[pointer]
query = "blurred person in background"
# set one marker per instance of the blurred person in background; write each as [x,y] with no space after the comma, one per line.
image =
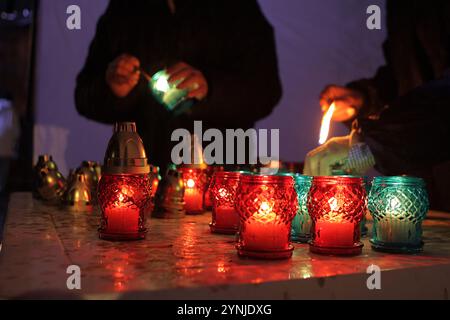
[222,51]
[400,117]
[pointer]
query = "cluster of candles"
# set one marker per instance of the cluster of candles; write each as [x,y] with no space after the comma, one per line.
[267,212]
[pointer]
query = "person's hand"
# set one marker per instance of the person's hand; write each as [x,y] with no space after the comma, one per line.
[347,102]
[123,75]
[190,79]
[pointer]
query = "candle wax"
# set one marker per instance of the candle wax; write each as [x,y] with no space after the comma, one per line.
[265,236]
[395,231]
[122,220]
[193,199]
[226,217]
[334,234]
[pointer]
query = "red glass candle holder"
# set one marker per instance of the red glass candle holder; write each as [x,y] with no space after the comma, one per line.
[266,206]
[123,200]
[208,201]
[336,206]
[194,188]
[225,218]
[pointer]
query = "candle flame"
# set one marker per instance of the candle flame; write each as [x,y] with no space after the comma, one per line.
[162,84]
[326,121]
[190,183]
[265,208]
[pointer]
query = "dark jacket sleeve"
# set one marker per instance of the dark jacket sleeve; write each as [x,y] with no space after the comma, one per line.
[245,87]
[93,98]
[414,132]
[377,91]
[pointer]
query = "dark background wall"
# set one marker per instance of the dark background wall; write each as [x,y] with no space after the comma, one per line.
[318,42]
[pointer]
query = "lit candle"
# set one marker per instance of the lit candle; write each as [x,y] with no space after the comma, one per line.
[192,197]
[123,200]
[266,206]
[122,217]
[124,190]
[264,230]
[166,93]
[339,234]
[398,206]
[336,205]
[194,183]
[225,218]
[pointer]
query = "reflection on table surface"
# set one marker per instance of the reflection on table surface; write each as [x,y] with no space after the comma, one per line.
[42,241]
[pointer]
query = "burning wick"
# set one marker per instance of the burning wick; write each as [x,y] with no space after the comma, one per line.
[190,183]
[326,121]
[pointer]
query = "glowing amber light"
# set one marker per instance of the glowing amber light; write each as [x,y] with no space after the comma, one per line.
[326,122]
[398,206]
[225,218]
[190,183]
[123,200]
[266,206]
[194,180]
[336,206]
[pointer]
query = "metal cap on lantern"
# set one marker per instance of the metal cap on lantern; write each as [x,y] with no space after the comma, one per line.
[78,197]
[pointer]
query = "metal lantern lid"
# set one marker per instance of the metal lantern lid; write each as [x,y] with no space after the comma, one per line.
[125,153]
[46,161]
[78,196]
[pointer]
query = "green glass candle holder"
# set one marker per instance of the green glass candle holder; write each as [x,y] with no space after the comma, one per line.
[174,99]
[301,225]
[398,206]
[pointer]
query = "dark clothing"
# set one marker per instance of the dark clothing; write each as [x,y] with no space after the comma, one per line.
[230,42]
[405,117]
[417,50]
[412,136]
[413,133]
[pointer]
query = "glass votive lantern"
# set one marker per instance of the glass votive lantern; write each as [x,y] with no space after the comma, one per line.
[336,205]
[208,201]
[266,205]
[124,190]
[398,206]
[225,218]
[168,94]
[367,184]
[301,225]
[194,187]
